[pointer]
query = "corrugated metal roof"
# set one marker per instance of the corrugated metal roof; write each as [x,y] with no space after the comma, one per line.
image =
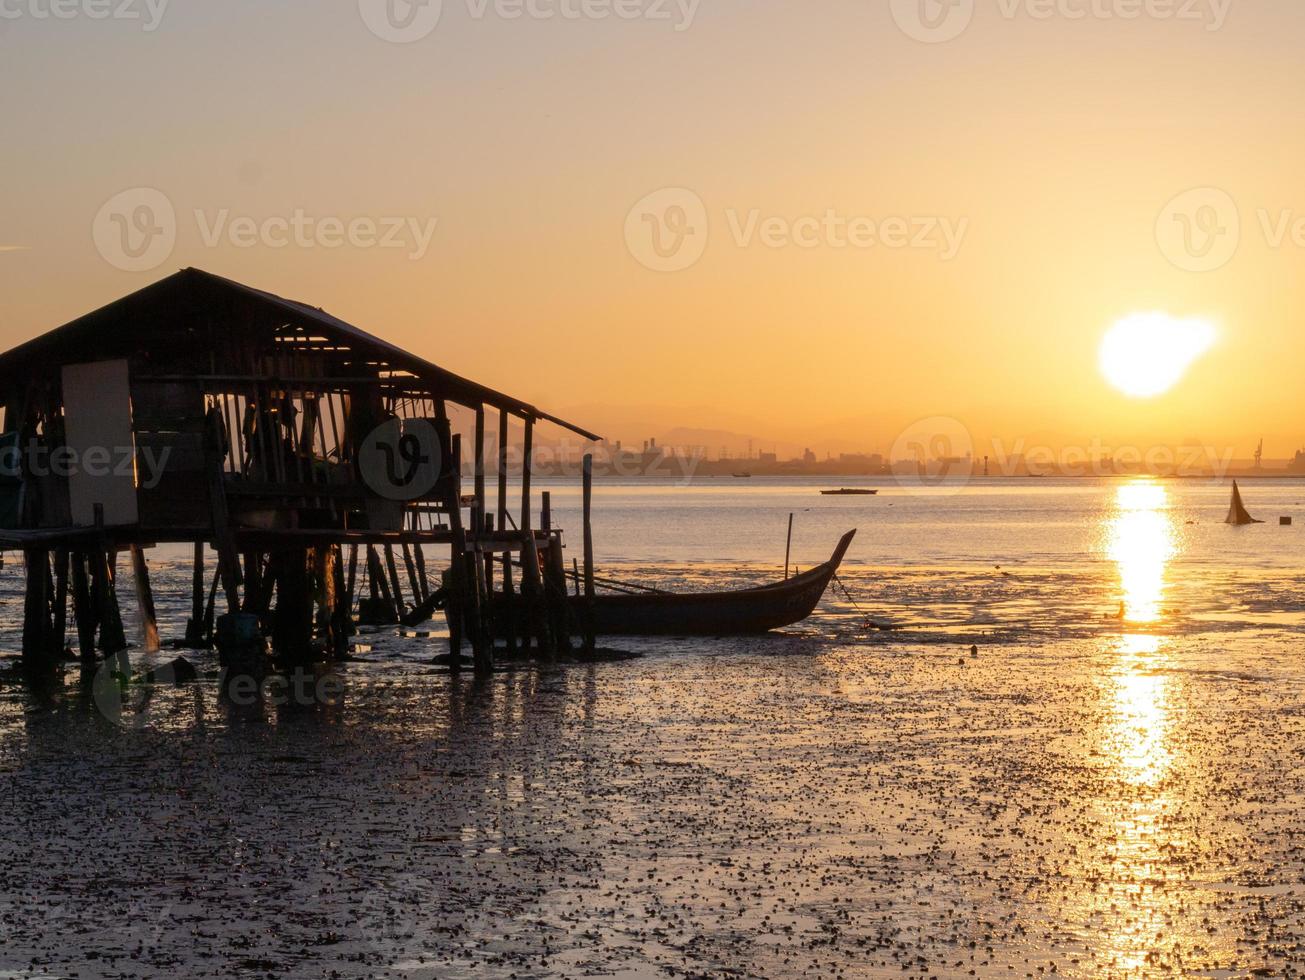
[465,390]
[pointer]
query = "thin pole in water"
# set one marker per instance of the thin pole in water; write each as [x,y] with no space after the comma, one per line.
[788,548]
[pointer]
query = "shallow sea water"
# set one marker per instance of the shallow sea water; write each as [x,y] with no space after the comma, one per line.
[1101,791]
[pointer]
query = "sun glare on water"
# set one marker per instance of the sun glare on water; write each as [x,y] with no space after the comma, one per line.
[1146,354]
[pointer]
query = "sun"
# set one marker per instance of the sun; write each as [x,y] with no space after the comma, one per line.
[1146,354]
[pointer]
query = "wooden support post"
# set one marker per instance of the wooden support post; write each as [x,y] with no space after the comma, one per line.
[224,540]
[83,608]
[104,595]
[60,601]
[381,608]
[419,553]
[532,594]
[149,620]
[466,561]
[527,469]
[502,468]
[456,607]
[480,564]
[254,592]
[342,610]
[479,471]
[588,506]
[195,625]
[487,562]
[555,602]
[210,610]
[509,616]
[418,596]
[259,600]
[292,621]
[353,570]
[37,627]
[397,589]
[507,611]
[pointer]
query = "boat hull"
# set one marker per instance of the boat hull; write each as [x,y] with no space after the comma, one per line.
[741,613]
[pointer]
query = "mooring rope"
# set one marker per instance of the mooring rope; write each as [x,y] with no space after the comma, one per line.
[870,623]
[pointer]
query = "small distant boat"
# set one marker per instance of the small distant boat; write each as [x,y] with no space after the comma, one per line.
[743,476]
[1237,514]
[845,492]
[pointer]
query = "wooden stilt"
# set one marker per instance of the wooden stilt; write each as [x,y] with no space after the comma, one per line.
[532,591]
[555,602]
[37,626]
[480,524]
[60,639]
[83,607]
[502,513]
[382,607]
[195,625]
[253,600]
[588,508]
[396,589]
[418,596]
[224,541]
[509,606]
[419,552]
[470,579]
[210,609]
[149,621]
[488,563]
[457,606]
[353,574]
[104,596]
[527,471]
[480,507]
[342,612]
[292,620]
[532,594]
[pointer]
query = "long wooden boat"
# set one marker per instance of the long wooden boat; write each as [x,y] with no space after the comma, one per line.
[849,493]
[741,613]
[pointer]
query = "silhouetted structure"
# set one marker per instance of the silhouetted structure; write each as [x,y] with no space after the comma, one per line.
[289,442]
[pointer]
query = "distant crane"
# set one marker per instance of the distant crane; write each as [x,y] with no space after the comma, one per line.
[1259,456]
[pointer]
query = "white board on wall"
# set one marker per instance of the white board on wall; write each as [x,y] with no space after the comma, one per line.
[102,450]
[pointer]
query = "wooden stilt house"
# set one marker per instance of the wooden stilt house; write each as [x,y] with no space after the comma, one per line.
[306,455]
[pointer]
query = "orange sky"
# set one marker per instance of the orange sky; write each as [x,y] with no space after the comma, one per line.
[1054,143]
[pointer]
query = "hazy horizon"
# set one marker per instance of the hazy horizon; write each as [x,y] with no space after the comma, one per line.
[892,228]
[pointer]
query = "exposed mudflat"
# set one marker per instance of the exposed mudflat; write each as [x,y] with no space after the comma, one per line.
[792,807]
[1113,786]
